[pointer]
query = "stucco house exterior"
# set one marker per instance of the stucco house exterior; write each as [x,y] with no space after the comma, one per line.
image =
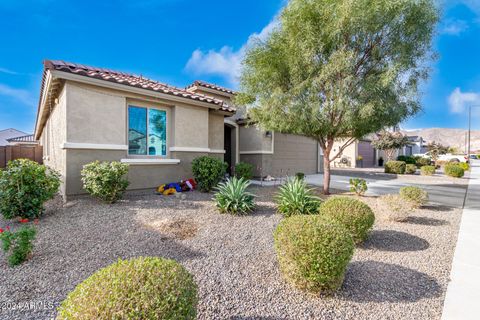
[87,113]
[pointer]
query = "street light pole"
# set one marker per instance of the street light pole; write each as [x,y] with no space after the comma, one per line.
[469,129]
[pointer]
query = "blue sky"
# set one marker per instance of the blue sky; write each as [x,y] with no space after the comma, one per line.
[178,41]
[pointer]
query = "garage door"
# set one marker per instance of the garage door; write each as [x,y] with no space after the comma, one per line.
[366,150]
[293,154]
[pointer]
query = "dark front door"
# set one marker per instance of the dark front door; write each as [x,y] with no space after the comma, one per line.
[227,143]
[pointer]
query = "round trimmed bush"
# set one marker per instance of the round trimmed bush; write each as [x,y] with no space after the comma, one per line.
[427,170]
[454,170]
[410,168]
[105,180]
[397,167]
[356,216]
[244,170]
[140,288]
[465,166]
[313,252]
[208,172]
[423,162]
[394,207]
[416,196]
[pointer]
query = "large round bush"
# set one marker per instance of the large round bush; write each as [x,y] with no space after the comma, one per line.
[208,172]
[105,180]
[428,170]
[141,288]
[454,170]
[356,216]
[24,188]
[313,252]
[397,167]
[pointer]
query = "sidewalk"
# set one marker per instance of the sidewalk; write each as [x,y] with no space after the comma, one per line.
[462,300]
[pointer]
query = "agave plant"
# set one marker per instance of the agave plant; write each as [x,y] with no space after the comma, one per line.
[232,196]
[295,198]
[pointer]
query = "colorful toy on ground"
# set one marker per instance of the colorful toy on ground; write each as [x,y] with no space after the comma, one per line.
[174,187]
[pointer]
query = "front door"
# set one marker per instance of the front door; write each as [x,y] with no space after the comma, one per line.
[227,143]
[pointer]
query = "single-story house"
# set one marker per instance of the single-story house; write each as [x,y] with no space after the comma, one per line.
[10,133]
[87,113]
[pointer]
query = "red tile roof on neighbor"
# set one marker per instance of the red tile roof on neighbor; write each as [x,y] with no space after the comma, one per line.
[199,83]
[133,81]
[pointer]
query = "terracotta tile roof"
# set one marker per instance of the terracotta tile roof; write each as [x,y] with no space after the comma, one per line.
[27,138]
[199,83]
[133,81]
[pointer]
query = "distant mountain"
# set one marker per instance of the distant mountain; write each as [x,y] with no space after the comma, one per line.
[448,137]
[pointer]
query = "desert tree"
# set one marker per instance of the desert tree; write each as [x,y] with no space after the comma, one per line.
[435,149]
[336,70]
[390,142]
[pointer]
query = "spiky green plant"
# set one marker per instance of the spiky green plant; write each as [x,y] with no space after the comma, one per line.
[295,198]
[232,196]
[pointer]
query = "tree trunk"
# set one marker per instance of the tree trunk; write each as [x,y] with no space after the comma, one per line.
[326,171]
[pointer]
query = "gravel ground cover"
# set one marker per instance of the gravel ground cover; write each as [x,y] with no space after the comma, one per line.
[401,272]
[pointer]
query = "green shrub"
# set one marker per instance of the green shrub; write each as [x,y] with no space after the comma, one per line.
[397,167]
[140,288]
[358,185]
[208,172]
[423,162]
[295,198]
[407,159]
[416,196]
[465,166]
[25,186]
[232,196]
[300,175]
[244,170]
[353,214]
[394,207]
[427,170]
[410,168]
[313,252]
[454,170]
[105,180]
[18,245]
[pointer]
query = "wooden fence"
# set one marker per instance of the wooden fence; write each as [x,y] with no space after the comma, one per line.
[8,153]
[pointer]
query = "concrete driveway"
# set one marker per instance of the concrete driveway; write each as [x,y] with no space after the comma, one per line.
[444,192]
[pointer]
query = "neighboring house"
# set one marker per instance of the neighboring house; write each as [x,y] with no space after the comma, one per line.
[88,114]
[417,146]
[9,134]
[27,140]
[351,155]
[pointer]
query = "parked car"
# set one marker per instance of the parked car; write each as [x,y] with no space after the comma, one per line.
[453,157]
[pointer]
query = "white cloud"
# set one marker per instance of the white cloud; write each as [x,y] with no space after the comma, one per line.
[7,71]
[20,95]
[459,101]
[225,62]
[454,27]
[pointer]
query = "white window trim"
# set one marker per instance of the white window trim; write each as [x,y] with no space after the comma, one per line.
[137,161]
[194,149]
[93,146]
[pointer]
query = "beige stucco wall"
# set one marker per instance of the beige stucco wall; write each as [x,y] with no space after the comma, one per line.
[252,138]
[215,131]
[95,116]
[350,153]
[191,126]
[53,137]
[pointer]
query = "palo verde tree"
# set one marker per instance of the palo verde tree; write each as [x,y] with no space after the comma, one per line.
[335,70]
[389,142]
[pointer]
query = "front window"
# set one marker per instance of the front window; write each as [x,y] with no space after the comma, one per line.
[147,131]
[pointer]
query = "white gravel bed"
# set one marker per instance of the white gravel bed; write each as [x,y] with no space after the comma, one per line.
[401,272]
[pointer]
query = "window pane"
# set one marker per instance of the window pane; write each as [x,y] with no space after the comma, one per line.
[137,130]
[157,132]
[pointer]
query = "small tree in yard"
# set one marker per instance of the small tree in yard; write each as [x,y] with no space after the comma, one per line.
[338,70]
[389,142]
[435,149]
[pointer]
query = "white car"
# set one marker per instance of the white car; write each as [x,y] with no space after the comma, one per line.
[453,157]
